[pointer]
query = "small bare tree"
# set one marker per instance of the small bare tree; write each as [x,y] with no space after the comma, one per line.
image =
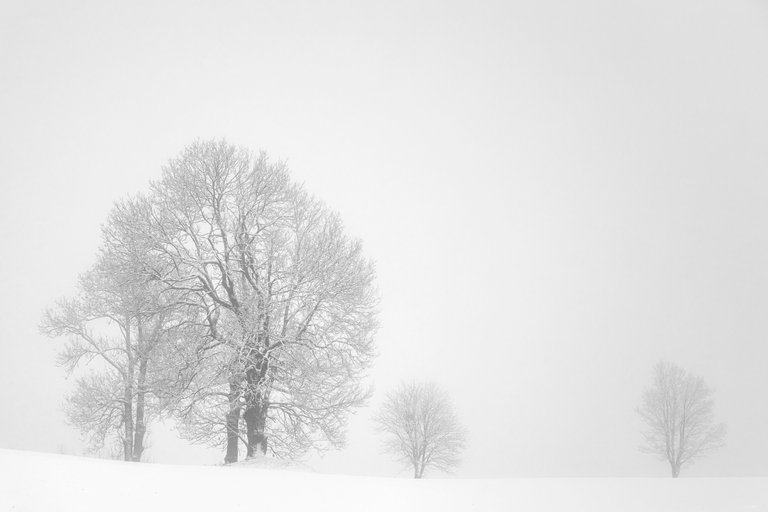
[120,331]
[421,427]
[677,410]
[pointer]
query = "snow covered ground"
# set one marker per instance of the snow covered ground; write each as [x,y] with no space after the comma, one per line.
[31,481]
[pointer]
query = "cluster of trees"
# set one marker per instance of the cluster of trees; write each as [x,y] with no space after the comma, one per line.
[227,298]
[230,300]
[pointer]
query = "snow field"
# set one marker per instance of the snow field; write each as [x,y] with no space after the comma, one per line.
[31,481]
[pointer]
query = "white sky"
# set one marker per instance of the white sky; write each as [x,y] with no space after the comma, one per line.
[557,195]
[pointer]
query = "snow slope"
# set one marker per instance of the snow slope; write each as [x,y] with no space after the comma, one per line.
[31,481]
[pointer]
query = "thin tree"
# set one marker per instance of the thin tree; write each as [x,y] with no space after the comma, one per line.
[421,428]
[678,412]
[118,326]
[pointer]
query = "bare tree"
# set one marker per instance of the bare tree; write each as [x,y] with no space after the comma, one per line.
[677,410]
[421,428]
[117,326]
[286,298]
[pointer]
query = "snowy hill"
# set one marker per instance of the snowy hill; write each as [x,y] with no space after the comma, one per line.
[40,482]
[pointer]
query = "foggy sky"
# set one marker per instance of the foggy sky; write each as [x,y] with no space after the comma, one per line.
[556,194]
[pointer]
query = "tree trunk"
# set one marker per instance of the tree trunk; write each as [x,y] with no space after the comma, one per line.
[675,469]
[233,422]
[255,421]
[128,396]
[255,414]
[141,429]
[128,422]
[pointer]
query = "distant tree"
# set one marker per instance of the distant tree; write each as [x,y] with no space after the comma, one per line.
[677,410]
[421,428]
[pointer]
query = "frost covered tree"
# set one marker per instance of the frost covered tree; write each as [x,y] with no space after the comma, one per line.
[231,299]
[678,412]
[285,296]
[119,327]
[421,428]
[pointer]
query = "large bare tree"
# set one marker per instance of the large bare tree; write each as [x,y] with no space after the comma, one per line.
[286,296]
[678,412]
[421,427]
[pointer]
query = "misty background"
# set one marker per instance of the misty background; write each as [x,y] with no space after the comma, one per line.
[556,195]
